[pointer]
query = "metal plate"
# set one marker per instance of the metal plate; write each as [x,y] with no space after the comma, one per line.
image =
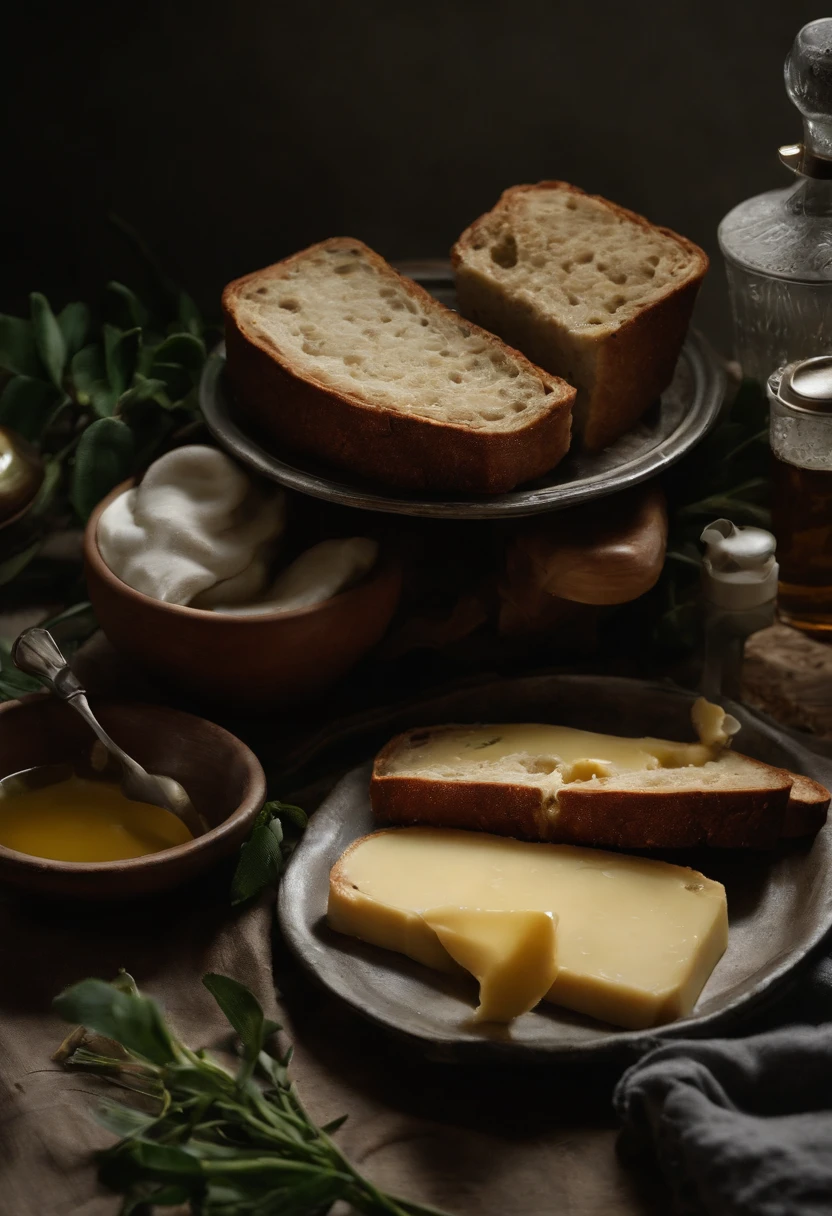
[677,422]
[779,904]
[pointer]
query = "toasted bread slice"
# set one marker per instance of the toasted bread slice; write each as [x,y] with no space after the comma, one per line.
[808,804]
[444,776]
[337,356]
[589,291]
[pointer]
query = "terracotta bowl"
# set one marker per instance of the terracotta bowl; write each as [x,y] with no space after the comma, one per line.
[277,659]
[223,777]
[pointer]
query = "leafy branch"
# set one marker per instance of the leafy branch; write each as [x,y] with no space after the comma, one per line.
[192,1132]
[264,855]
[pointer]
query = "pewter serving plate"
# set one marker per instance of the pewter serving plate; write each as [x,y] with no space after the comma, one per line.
[685,413]
[779,904]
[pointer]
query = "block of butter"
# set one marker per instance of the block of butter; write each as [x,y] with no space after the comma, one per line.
[636,939]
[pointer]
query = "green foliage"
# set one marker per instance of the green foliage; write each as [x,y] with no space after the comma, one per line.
[100,395]
[264,855]
[219,1143]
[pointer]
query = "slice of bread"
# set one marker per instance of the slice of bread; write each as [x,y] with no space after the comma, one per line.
[808,804]
[337,356]
[730,801]
[589,291]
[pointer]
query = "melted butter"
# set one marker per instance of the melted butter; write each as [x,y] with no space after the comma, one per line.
[84,821]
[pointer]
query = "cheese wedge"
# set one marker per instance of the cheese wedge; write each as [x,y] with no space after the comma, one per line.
[636,939]
[512,954]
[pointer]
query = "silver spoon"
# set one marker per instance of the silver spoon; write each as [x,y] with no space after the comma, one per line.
[37,653]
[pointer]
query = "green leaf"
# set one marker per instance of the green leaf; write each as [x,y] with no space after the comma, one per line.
[128,308]
[48,488]
[104,457]
[184,349]
[12,566]
[74,322]
[134,1021]
[143,390]
[161,1160]
[244,1013]
[28,406]
[121,353]
[123,1121]
[49,339]
[18,353]
[177,380]
[259,866]
[189,315]
[89,377]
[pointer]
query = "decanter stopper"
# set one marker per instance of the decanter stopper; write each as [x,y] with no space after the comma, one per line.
[808,73]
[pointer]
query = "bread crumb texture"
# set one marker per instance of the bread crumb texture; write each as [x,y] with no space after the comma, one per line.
[582,260]
[344,322]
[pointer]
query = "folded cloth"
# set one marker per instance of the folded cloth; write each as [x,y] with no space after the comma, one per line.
[739,1127]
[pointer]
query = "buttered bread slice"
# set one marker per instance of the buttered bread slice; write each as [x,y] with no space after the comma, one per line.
[556,783]
[334,354]
[634,939]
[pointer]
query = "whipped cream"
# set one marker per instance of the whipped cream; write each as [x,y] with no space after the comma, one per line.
[198,531]
[195,525]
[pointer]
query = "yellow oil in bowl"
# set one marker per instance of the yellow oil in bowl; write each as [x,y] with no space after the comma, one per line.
[81,820]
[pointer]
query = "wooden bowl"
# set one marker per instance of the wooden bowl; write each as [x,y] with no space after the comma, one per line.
[223,777]
[277,659]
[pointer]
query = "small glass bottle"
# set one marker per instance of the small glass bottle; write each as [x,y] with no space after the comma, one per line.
[800,432]
[778,246]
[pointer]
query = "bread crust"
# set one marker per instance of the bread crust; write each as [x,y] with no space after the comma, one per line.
[586,814]
[626,368]
[807,809]
[394,449]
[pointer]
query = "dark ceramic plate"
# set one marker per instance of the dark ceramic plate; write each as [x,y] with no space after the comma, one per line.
[779,905]
[685,413]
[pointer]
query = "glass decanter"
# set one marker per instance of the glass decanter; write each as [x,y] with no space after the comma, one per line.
[778,246]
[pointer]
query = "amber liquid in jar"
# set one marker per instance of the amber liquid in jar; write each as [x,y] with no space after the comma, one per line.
[802,523]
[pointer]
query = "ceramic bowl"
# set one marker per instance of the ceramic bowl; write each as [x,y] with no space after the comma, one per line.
[266,661]
[223,777]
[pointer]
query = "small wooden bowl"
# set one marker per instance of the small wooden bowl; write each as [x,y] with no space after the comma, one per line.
[223,777]
[255,662]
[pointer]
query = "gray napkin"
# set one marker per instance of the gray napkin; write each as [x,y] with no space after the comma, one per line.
[741,1127]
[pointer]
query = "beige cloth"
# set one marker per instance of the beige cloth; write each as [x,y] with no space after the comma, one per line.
[474,1141]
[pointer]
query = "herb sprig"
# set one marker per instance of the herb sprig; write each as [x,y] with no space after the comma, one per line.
[227,1144]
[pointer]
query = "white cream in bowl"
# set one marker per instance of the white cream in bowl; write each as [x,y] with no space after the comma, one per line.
[198,531]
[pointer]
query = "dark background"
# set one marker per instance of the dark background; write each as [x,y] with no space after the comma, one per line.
[230,134]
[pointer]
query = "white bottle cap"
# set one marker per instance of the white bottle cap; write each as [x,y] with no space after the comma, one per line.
[738,569]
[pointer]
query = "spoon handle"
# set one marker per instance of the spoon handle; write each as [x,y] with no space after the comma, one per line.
[36,652]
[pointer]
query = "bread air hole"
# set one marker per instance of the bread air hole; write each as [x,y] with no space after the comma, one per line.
[566,266]
[424,321]
[456,377]
[573,300]
[617,278]
[352,360]
[491,415]
[290,304]
[653,260]
[346,268]
[519,406]
[571,205]
[585,258]
[615,303]
[504,253]
[262,291]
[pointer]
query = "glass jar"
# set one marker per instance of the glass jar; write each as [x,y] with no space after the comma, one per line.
[778,246]
[800,433]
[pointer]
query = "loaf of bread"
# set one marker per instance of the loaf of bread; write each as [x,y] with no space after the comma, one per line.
[651,793]
[587,290]
[335,355]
